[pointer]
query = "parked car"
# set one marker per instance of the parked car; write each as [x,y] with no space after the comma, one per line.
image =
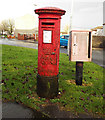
[64,40]
[2,36]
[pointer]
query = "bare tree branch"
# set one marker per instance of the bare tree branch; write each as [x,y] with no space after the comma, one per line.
[4,26]
[7,25]
[11,25]
[66,28]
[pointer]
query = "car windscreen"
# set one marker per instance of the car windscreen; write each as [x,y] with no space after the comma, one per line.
[67,37]
[64,37]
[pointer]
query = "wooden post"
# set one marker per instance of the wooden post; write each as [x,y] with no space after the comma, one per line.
[79,73]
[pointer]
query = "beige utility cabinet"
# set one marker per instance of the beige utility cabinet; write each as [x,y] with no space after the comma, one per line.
[80,47]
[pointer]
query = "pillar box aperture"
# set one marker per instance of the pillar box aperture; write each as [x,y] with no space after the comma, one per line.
[48,51]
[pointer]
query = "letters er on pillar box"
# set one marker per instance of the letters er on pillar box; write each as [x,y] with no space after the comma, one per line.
[80,47]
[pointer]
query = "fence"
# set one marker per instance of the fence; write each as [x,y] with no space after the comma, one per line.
[27,36]
[98,41]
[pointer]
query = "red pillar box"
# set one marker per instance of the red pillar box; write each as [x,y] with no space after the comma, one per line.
[48,51]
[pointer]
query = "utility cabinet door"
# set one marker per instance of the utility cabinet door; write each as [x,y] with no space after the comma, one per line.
[80,46]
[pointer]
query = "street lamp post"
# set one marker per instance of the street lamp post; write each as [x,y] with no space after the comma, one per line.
[71,16]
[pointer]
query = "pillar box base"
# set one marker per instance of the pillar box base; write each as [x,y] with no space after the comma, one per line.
[47,87]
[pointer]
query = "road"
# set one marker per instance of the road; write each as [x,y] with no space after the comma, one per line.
[25,43]
[98,57]
[97,54]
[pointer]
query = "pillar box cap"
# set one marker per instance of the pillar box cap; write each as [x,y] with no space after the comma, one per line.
[50,10]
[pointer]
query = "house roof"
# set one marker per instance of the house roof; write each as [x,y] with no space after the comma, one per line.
[63,32]
[95,29]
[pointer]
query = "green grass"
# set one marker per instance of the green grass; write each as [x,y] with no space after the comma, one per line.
[2,35]
[19,70]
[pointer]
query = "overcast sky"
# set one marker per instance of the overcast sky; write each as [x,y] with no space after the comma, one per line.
[87,14]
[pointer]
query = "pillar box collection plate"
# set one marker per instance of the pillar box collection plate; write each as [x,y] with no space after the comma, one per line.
[48,51]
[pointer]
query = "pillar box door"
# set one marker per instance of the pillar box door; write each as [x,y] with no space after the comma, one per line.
[48,51]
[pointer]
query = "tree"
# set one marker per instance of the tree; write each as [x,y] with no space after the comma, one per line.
[1,30]
[66,28]
[11,25]
[7,25]
[4,26]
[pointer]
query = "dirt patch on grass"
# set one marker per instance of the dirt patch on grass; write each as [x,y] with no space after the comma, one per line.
[83,84]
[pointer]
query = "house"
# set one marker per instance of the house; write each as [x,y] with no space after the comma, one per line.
[104,29]
[26,24]
[104,18]
[63,33]
[97,31]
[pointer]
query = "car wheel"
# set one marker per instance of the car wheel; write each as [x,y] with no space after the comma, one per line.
[65,47]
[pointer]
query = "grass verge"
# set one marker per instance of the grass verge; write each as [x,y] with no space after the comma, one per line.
[19,70]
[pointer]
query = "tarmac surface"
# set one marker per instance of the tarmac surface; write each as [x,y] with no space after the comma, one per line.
[14,42]
[14,110]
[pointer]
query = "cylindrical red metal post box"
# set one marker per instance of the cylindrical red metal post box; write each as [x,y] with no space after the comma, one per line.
[48,51]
